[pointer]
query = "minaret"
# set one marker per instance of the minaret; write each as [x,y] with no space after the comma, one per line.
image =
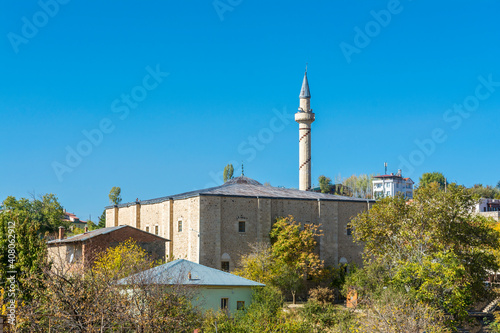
[305,117]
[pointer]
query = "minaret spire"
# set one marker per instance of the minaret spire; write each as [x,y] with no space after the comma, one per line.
[305,117]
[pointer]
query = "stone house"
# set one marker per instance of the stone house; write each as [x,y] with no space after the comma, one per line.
[215,226]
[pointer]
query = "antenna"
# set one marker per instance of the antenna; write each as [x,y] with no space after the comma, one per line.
[385,165]
[242,169]
[306,67]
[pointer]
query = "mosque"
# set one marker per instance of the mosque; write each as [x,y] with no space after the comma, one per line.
[215,226]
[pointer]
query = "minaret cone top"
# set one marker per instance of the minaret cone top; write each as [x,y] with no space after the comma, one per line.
[304,92]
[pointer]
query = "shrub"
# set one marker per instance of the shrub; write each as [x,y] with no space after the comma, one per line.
[322,295]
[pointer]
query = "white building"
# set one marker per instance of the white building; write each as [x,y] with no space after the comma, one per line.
[489,208]
[392,185]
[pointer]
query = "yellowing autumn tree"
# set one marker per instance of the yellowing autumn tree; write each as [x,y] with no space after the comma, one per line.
[123,260]
[294,251]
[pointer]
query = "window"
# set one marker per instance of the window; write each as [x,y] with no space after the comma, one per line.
[240,305]
[179,226]
[241,226]
[224,265]
[349,230]
[147,228]
[224,303]
[156,230]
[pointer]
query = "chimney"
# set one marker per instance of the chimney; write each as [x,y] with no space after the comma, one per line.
[86,229]
[61,232]
[189,275]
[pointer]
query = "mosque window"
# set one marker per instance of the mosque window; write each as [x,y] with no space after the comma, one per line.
[147,228]
[156,230]
[224,266]
[179,226]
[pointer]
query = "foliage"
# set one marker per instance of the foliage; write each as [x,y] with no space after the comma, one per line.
[228,172]
[322,295]
[435,247]
[122,260]
[432,177]
[91,225]
[115,195]
[258,265]
[360,186]
[394,312]
[46,211]
[102,220]
[264,314]
[325,184]
[328,318]
[20,234]
[83,300]
[294,251]
[487,191]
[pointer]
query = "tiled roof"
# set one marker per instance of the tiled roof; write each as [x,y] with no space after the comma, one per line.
[94,233]
[180,271]
[238,187]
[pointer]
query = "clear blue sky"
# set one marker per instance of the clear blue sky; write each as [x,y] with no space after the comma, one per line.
[234,76]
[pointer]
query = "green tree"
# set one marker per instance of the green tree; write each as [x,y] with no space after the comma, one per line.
[434,248]
[115,195]
[102,220]
[294,251]
[485,191]
[22,247]
[431,177]
[228,172]
[325,184]
[46,211]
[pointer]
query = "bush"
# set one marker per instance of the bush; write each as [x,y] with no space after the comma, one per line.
[322,295]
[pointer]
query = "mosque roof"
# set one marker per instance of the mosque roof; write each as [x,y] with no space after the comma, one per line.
[246,187]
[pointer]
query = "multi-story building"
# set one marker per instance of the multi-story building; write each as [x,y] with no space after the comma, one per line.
[392,185]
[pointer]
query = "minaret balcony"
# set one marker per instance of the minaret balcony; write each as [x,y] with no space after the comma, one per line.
[304,117]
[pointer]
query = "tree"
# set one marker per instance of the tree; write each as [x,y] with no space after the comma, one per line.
[22,248]
[294,251]
[228,172]
[125,259]
[102,220]
[258,265]
[46,211]
[435,248]
[431,177]
[485,191]
[325,184]
[114,195]
[360,186]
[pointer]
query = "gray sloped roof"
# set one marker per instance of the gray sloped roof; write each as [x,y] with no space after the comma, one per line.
[179,272]
[246,187]
[94,233]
